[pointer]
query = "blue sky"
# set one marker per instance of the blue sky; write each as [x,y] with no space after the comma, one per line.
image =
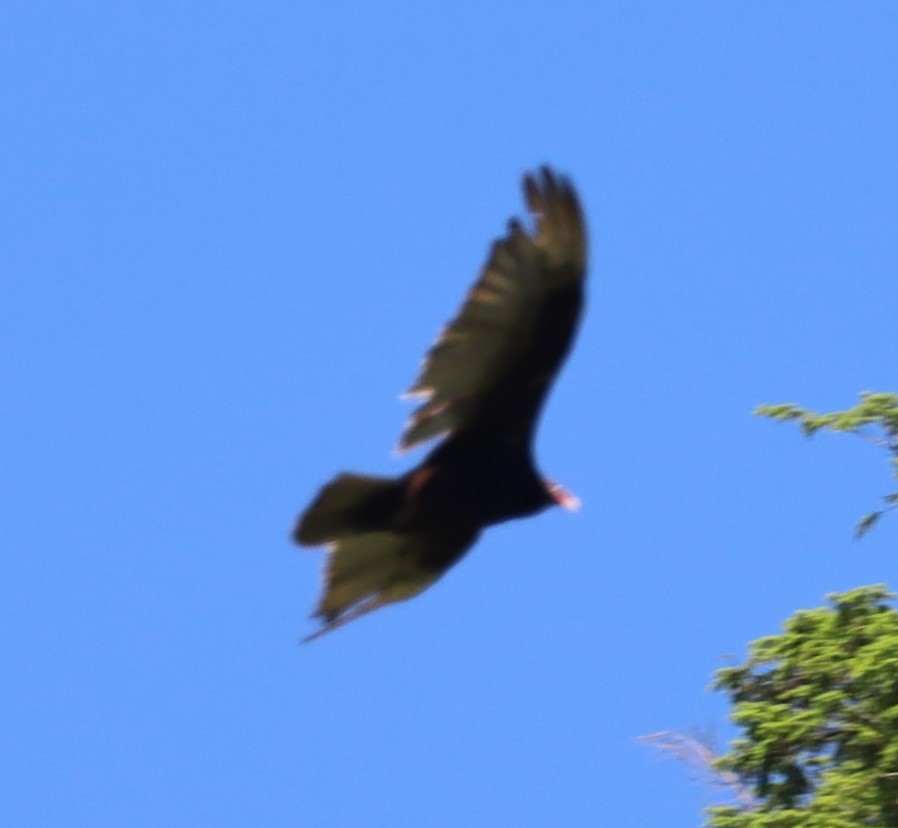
[231,230]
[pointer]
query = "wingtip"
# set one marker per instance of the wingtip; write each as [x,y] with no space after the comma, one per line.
[543,185]
[333,621]
[553,202]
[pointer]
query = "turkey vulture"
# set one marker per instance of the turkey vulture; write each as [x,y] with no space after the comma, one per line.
[481,387]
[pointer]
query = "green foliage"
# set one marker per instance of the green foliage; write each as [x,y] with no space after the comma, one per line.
[874,417]
[818,707]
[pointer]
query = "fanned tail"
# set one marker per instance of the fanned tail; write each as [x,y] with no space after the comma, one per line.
[349,505]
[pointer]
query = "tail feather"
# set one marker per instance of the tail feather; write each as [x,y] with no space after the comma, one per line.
[348,505]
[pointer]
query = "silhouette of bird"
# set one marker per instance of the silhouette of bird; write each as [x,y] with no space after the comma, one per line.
[481,389]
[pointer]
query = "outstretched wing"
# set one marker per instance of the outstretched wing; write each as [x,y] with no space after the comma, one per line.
[492,365]
[365,572]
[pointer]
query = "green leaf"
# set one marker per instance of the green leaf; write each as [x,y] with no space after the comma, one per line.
[818,708]
[876,410]
[866,523]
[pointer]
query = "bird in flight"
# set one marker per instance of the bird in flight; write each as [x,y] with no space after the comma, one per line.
[481,388]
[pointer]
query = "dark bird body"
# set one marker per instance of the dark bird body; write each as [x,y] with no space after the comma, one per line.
[483,384]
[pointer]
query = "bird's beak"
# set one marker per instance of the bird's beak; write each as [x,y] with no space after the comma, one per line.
[564,498]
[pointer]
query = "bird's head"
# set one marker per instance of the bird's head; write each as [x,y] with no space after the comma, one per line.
[561,496]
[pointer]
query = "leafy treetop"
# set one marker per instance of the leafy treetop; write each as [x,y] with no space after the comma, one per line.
[818,706]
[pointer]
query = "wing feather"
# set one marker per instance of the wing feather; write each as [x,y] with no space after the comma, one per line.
[367,571]
[492,365]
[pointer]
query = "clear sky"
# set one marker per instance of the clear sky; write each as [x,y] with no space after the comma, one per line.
[230,231]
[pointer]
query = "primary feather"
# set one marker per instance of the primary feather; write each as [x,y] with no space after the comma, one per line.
[494,362]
